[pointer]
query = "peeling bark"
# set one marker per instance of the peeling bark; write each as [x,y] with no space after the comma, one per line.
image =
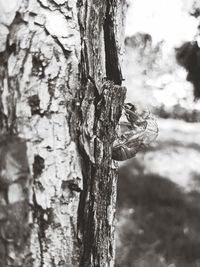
[60,102]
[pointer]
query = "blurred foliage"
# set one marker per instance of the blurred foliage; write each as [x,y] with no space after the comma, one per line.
[188,56]
[165,81]
[177,112]
[158,223]
[147,54]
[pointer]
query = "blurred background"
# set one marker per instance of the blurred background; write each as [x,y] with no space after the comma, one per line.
[158,213]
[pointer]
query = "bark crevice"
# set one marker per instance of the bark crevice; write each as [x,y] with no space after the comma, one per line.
[113,70]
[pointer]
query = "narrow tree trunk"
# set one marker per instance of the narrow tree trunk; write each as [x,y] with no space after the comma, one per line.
[61,99]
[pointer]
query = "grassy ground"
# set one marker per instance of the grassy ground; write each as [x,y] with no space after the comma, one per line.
[159,201]
[158,223]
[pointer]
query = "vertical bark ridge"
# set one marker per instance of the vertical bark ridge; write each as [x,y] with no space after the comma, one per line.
[102,96]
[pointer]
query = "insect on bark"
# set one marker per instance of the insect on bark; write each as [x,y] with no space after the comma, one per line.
[136,132]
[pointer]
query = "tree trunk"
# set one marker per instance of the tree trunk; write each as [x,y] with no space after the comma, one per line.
[60,102]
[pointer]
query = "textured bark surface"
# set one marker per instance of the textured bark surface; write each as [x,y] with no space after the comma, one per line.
[99,62]
[61,99]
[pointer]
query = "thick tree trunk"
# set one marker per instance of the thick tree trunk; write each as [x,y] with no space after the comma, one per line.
[61,99]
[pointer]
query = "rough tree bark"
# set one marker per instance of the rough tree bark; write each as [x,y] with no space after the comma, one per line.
[60,101]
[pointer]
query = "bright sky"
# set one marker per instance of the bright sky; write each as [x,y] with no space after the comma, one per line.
[163,19]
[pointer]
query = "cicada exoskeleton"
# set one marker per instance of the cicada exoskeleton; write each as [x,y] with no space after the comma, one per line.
[137,132]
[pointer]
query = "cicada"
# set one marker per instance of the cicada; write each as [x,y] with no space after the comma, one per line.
[136,132]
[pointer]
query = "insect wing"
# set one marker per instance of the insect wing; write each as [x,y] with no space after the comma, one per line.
[151,131]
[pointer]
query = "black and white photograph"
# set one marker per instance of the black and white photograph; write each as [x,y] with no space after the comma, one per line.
[99,133]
